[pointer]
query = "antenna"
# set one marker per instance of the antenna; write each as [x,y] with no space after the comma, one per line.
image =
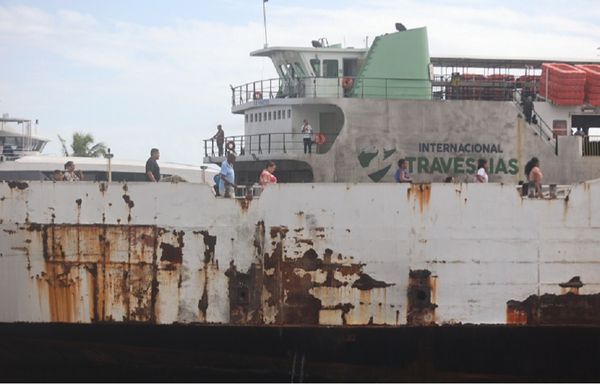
[265,22]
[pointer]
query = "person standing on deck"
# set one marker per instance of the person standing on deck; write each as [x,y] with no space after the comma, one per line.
[481,176]
[220,137]
[528,109]
[152,168]
[307,136]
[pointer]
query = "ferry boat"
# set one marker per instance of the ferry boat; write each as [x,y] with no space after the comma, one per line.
[334,273]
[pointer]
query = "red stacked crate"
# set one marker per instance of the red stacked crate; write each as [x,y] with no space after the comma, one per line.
[470,91]
[529,84]
[501,89]
[563,84]
[592,82]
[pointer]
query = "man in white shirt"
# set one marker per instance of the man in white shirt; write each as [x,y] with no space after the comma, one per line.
[227,175]
[307,136]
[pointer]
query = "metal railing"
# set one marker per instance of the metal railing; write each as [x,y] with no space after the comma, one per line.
[313,87]
[590,145]
[538,123]
[266,143]
[442,87]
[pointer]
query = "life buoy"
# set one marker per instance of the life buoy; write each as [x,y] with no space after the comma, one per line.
[347,82]
[230,146]
[257,95]
[319,139]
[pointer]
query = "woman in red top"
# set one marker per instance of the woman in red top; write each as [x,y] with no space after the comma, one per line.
[266,176]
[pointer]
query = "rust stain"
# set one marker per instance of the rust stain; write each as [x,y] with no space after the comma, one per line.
[570,308]
[78,202]
[549,309]
[422,193]
[421,305]
[9,231]
[279,231]
[130,284]
[244,202]
[128,200]
[171,253]
[209,244]
[289,283]
[18,185]
[245,294]
[103,187]
[366,283]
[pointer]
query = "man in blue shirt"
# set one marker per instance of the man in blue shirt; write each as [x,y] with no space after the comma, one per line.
[227,175]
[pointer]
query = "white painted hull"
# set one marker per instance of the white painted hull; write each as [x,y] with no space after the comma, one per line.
[301,254]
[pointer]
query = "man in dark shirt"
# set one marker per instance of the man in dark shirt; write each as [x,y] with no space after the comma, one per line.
[152,168]
[220,137]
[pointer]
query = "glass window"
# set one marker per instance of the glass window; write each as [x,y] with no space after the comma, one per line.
[330,68]
[246,118]
[315,64]
[279,114]
[251,117]
[289,113]
[259,116]
[265,116]
[269,115]
[299,70]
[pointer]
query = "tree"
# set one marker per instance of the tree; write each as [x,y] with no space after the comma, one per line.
[83,146]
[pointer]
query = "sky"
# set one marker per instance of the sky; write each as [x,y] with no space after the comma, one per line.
[141,74]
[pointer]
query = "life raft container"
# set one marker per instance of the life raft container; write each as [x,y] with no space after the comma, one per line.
[230,146]
[319,139]
[347,82]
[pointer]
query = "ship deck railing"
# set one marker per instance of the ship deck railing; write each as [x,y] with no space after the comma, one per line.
[442,87]
[590,145]
[267,143]
[549,191]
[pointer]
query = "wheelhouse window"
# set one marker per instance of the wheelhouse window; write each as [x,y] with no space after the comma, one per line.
[330,68]
[315,64]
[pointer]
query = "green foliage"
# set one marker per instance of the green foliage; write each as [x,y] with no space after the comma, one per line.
[83,146]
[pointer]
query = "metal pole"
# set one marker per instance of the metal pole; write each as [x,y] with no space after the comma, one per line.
[109,156]
[265,22]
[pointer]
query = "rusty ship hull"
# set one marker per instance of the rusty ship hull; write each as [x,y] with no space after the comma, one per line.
[375,267]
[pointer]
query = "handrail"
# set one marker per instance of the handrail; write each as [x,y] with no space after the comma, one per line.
[441,87]
[545,132]
[266,143]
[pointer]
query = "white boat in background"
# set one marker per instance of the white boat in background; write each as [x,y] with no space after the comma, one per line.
[21,159]
[96,169]
[17,138]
